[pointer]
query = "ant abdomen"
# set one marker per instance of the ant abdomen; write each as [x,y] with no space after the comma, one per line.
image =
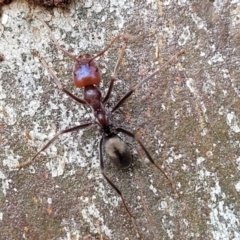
[117,151]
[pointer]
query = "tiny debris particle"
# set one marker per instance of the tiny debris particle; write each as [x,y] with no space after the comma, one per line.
[49,200]
[49,209]
[4,112]
[209,154]
[1,58]
[35,200]
[237,186]
[28,135]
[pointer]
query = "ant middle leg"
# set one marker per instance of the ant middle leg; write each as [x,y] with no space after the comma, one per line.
[132,135]
[26,163]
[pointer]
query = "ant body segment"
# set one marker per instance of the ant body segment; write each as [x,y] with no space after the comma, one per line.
[86,74]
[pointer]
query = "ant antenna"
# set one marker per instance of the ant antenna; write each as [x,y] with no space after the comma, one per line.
[125,36]
[73,57]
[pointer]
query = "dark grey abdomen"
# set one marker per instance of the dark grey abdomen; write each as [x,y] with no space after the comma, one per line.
[117,151]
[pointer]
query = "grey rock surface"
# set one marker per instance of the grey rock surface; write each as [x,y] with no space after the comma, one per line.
[187,116]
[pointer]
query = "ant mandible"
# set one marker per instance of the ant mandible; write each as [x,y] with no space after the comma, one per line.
[86,74]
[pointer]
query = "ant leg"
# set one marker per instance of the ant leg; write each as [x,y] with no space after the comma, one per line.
[109,181]
[21,165]
[128,94]
[56,80]
[116,69]
[56,42]
[125,36]
[148,156]
[114,186]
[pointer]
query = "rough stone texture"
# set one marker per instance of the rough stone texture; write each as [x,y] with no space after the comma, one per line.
[187,116]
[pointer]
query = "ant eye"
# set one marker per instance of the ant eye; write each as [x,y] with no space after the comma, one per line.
[96,70]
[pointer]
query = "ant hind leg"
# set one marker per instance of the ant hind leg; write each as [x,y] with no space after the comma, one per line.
[115,187]
[148,156]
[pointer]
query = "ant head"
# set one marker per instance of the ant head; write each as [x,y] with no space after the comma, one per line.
[86,72]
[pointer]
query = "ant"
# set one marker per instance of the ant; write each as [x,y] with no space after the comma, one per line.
[86,74]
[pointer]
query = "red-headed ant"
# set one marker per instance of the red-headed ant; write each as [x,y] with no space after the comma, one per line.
[86,74]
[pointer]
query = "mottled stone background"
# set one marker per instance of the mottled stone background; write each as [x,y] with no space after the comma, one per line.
[187,116]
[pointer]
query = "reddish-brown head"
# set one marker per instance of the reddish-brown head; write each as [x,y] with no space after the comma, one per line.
[86,72]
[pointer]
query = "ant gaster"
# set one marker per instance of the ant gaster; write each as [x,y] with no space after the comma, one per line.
[86,74]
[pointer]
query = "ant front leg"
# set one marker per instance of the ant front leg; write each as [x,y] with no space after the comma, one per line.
[116,69]
[148,156]
[129,93]
[24,164]
[56,80]
[115,187]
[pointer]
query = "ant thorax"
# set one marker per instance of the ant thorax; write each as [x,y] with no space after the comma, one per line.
[93,97]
